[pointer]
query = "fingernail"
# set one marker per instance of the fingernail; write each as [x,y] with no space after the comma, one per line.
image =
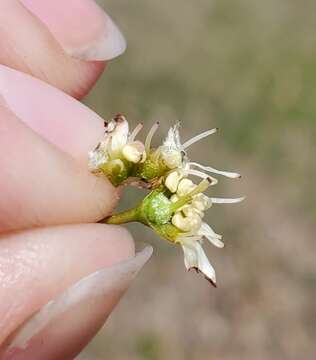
[57,117]
[62,328]
[82,28]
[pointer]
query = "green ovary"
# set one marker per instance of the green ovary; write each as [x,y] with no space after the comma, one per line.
[152,168]
[156,208]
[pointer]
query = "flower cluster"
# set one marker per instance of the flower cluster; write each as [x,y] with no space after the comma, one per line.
[175,206]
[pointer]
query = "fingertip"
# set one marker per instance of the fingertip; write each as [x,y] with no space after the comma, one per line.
[82,27]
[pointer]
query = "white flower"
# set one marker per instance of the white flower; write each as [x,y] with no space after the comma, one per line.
[195,258]
[174,155]
[188,219]
[171,148]
[118,143]
[175,207]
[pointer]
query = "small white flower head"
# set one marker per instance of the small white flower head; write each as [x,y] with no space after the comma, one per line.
[175,206]
[188,220]
[118,144]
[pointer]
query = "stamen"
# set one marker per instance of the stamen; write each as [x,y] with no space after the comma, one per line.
[198,138]
[227,200]
[201,175]
[228,174]
[135,132]
[150,135]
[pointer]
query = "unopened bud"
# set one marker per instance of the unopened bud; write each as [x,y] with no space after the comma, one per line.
[172,159]
[174,198]
[190,210]
[185,187]
[134,152]
[172,180]
[201,202]
[185,223]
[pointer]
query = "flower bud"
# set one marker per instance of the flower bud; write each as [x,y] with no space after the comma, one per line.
[134,152]
[190,210]
[172,159]
[172,180]
[201,202]
[174,198]
[185,223]
[185,187]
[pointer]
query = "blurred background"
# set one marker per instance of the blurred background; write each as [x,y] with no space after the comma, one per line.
[248,67]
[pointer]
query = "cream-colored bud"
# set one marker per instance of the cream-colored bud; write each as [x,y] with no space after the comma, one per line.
[185,223]
[190,210]
[172,180]
[174,198]
[181,222]
[185,187]
[172,159]
[134,152]
[201,202]
[195,221]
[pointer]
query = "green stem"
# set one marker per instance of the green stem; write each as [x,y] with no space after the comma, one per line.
[123,217]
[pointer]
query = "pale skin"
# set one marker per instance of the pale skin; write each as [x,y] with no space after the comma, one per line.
[49,202]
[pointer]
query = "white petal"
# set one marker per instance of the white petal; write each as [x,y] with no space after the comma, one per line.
[227,200]
[195,258]
[172,140]
[229,174]
[119,135]
[206,231]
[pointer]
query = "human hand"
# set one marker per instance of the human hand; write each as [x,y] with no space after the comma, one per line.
[51,252]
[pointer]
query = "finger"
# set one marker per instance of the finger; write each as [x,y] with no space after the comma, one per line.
[82,28]
[57,117]
[41,185]
[49,40]
[62,328]
[37,265]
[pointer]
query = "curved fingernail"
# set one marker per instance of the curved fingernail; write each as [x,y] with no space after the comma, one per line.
[82,28]
[56,116]
[62,328]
